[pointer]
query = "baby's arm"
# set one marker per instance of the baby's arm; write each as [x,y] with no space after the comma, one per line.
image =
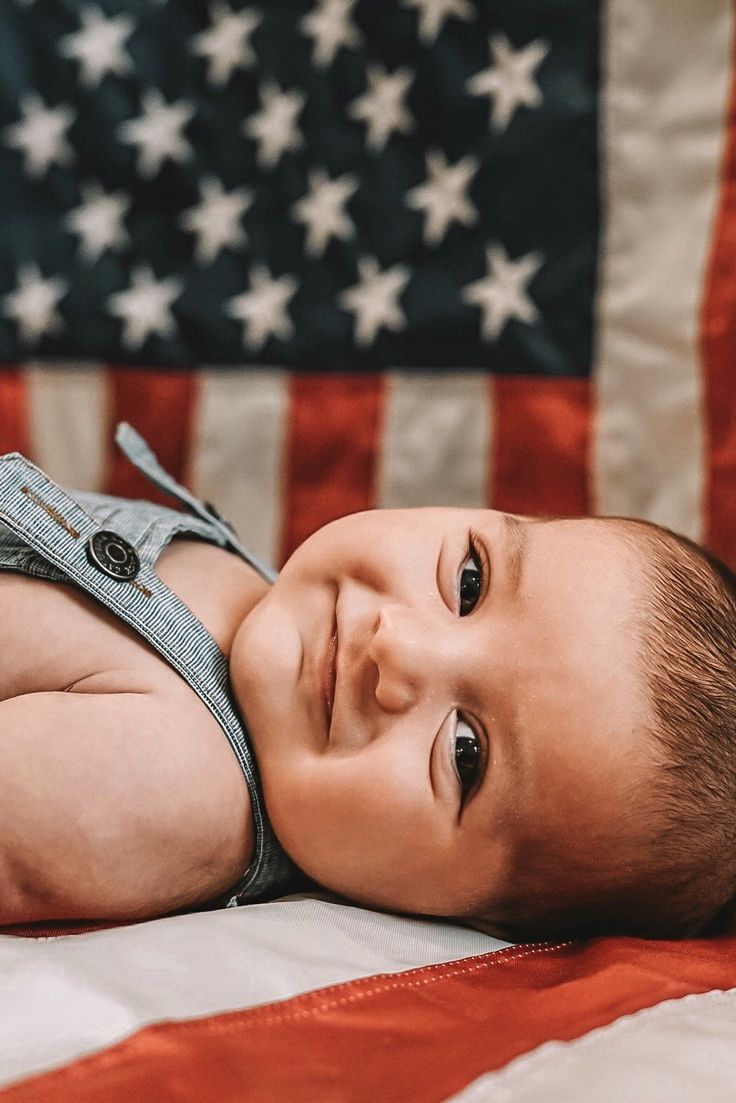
[99,809]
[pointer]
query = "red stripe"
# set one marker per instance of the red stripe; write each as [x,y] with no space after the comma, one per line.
[718,349]
[420,1035]
[161,406]
[54,928]
[330,451]
[14,429]
[541,445]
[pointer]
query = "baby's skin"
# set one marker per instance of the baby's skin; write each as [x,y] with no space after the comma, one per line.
[487,705]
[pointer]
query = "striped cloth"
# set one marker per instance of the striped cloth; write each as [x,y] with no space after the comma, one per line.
[645,428]
[306,1000]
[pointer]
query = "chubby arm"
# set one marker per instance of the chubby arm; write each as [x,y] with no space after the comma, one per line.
[114,805]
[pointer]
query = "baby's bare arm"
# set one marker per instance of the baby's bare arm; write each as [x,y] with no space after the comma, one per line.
[107,808]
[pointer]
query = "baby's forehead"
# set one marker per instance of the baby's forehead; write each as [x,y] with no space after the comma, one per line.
[615,540]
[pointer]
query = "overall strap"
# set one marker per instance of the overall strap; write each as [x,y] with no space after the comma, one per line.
[105,566]
[143,457]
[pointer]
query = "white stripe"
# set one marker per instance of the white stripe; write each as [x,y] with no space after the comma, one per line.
[237,447]
[62,998]
[68,418]
[677,1052]
[436,440]
[666,81]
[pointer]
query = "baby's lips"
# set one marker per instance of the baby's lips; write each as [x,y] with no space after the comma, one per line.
[329,678]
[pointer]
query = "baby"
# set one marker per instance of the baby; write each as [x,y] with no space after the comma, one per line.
[522,723]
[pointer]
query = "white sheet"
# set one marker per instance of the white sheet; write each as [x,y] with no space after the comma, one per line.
[62,998]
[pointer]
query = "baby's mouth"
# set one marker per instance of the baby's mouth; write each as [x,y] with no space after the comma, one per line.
[329,673]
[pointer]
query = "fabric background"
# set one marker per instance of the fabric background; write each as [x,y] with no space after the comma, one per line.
[547,330]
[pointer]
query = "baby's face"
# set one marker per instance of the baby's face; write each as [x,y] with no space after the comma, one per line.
[483,705]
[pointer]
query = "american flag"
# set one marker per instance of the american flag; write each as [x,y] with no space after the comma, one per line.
[324,187]
[350,253]
[303,1000]
[329,255]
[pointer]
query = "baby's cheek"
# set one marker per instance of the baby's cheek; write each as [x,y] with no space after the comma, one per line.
[351,829]
[320,805]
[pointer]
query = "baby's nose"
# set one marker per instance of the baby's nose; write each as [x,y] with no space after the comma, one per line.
[402,650]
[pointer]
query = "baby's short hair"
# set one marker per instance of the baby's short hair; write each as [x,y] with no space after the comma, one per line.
[688,654]
[674,871]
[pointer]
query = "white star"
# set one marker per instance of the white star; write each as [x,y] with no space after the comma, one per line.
[509,81]
[263,309]
[157,132]
[98,47]
[331,27]
[381,107]
[502,293]
[433,13]
[373,299]
[322,210]
[443,197]
[145,307]
[41,134]
[216,218]
[99,221]
[274,126]
[33,303]
[225,44]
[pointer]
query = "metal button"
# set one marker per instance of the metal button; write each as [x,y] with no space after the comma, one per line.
[113,555]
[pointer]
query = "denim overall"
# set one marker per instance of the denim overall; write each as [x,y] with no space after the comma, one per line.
[108,547]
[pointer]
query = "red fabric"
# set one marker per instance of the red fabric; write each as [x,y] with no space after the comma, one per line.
[330,452]
[14,434]
[718,346]
[541,445]
[54,928]
[419,1035]
[160,405]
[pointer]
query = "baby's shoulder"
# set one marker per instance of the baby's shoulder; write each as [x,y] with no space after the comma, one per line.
[106,811]
[53,635]
[128,742]
[217,585]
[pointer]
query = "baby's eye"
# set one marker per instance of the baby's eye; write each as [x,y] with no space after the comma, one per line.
[471,579]
[466,756]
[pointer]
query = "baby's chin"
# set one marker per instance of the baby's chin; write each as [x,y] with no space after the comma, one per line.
[264,664]
[246,672]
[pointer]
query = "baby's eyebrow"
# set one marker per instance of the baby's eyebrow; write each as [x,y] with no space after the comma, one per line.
[516,546]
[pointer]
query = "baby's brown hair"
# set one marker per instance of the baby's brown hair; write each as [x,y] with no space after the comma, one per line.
[688,653]
[672,872]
